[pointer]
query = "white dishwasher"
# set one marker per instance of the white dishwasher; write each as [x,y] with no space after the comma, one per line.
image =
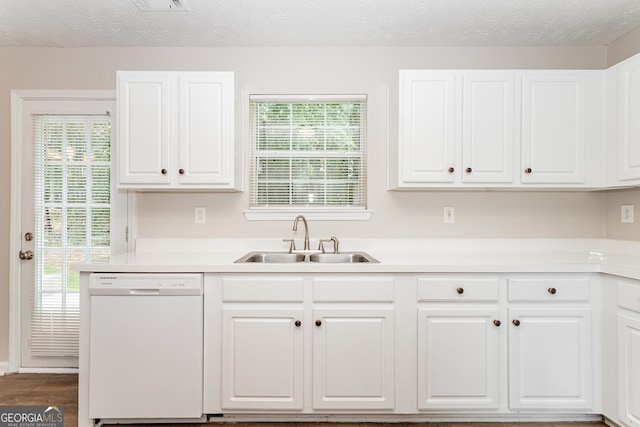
[145,358]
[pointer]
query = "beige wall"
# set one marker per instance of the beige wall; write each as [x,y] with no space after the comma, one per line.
[624,47]
[311,70]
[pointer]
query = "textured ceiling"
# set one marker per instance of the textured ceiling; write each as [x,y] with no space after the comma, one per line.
[88,23]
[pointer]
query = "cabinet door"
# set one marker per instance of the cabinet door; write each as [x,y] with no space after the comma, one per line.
[553,128]
[426,126]
[143,145]
[629,369]
[488,128]
[458,358]
[628,123]
[262,360]
[550,358]
[206,128]
[353,359]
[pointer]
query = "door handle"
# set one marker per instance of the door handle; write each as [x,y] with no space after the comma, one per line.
[25,255]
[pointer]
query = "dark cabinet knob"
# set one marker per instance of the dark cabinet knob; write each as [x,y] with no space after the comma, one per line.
[497,322]
[451,170]
[318,322]
[552,291]
[298,323]
[181,171]
[468,170]
[516,322]
[163,171]
[460,291]
[528,170]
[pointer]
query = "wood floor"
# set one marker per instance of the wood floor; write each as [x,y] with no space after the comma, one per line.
[62,390]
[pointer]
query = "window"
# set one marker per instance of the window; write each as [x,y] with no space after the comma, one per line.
[308,154]
[72,222]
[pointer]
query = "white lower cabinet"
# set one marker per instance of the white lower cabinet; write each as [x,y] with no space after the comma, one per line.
[280,333]
[550,358]
[458,358]
[353,358]
[373,344]
[629,353]
[262,358]
[530,335]
[550,343]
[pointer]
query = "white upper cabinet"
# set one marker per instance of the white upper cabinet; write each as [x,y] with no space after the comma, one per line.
[553,128]
[427,126]
[473,129]
[628,138]
[176,130]
[488,127]
[144,113]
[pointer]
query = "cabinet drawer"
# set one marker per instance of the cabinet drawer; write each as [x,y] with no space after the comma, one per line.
[343,289]
[274,289]
[431,289]
[575,289]
[629,296]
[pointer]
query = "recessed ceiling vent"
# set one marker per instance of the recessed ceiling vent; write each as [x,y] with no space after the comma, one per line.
[161,5]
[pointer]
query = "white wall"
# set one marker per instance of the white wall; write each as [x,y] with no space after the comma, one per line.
[311,70]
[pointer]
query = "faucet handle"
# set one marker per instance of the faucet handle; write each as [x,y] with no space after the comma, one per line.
[332,239]
[321,244]
[292,246]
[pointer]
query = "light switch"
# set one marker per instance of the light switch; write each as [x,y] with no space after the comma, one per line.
[626,214]
[201,216]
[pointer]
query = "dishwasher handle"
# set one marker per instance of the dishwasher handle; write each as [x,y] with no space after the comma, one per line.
[144,291]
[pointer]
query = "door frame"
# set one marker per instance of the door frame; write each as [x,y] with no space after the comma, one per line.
[18,98]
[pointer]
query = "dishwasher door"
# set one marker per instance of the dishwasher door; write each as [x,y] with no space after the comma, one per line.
[145,358]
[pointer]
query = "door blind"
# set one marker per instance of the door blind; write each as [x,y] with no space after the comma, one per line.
[308,152]
[72,222]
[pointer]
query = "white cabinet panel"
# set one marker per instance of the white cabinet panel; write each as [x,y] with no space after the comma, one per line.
[262,359]
[488,128]
[427,127]
[553,128]
[143,128]
[353,359]
[206,127]
[629,369]
[458,358]
[550,358]
[628,143]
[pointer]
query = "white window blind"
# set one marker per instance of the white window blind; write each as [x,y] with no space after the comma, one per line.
[308,152]
[72,222]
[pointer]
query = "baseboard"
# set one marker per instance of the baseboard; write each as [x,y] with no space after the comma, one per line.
[4,368]
[610,422]
[403,418]
[48,370]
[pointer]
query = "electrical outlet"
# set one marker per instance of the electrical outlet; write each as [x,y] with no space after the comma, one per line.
[626,214]
[201,216]
[449,215]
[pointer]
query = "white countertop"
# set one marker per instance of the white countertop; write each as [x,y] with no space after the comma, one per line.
[615,257]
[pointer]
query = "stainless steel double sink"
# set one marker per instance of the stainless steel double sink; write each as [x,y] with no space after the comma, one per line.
[287,257]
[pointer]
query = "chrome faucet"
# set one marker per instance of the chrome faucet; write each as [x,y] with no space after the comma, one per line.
[306,230]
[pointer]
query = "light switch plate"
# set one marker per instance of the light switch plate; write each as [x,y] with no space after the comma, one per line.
[201,216]
[449,215]
[626,214]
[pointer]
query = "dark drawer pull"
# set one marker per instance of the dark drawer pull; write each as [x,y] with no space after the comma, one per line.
[460,291]
[552,291]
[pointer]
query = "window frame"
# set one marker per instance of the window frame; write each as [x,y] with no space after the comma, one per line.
[317,212]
